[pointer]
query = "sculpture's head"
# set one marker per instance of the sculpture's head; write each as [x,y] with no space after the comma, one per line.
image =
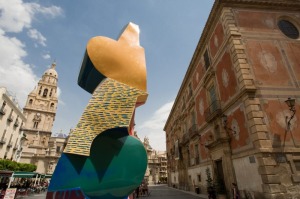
[122,60]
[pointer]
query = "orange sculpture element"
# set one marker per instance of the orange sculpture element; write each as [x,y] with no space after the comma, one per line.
[122,60]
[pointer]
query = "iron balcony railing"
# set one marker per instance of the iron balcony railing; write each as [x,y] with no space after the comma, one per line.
[213,111]
[10,118]
[2,140]
[2,111]
[193,130]
[197,160]
[185,138]
[9,144]
[16,124]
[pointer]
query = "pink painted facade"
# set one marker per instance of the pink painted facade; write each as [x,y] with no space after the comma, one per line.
[245,66]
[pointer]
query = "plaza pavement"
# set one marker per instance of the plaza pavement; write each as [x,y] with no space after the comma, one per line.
[156,192]
[165,192]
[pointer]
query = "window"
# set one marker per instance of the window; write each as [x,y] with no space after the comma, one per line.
[194,118]
[176,146]
[199,177]
[190,90]
[196,150]
[206,60]
[251,159]
[2,112]
[4,132]
[50,92]
[213,98]
[3,105]
[35,125]
[10,117]
[40,91]
[288,29]
[45,93]
[10,139]
[183,102]
[57,149]
[52,105]
[297,164]
[30,101]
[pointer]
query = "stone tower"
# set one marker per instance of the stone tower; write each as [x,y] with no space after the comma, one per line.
[40,111]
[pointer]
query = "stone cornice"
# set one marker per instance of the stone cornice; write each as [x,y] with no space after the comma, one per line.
[39,110]
[279,4]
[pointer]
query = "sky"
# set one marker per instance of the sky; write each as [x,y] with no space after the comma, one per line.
[35,33]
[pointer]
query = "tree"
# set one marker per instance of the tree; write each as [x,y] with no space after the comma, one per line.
[211,189]
[16,166]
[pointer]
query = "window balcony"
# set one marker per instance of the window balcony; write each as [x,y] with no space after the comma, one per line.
[2,111]
[193,130]
[197,160]
[16,124]
[185,138]
[3,141]
[9,144]
[213,111]
[10,119]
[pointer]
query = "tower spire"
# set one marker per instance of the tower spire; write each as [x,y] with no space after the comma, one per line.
[53,65]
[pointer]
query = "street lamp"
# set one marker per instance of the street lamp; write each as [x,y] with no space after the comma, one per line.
[291,103]
[224,119]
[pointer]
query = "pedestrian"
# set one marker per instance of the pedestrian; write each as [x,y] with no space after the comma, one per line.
[137,191]
[235,192]
[211,192]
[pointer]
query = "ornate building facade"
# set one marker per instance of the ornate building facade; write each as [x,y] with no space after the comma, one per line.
[157,165]
[230,114]
[11,121]
[40,148]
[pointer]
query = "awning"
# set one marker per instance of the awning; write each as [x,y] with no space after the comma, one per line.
[6,173]
[48,175]
[24,174]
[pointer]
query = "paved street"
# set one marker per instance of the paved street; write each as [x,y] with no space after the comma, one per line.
[165,192]
[34,196]
[156,192]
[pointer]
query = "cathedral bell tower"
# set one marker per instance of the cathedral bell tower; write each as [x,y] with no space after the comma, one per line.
[40,111]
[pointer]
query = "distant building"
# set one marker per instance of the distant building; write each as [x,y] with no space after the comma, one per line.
[40,148]
[157,165]
[11,121]
[230,114]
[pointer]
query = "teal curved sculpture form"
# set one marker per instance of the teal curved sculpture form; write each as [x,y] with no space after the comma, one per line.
[103,160]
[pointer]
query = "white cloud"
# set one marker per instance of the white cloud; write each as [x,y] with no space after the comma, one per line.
[153,128]
[46,56]
[16,76]
[37,36]
[15,16]
[51,11]
[59,96]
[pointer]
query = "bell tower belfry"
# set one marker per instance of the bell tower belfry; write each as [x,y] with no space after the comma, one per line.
[40,111]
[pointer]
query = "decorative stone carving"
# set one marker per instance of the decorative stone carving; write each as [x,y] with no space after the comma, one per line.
[225,78]
[268,61]
[201,107]
[216,41]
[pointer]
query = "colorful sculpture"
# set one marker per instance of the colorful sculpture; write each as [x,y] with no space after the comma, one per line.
[102,159]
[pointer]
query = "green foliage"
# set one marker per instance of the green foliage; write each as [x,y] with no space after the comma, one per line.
[209,180]
[211,188]
[15,166]
[220,186]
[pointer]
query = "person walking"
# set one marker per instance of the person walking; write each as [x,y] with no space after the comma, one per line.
[235,192]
